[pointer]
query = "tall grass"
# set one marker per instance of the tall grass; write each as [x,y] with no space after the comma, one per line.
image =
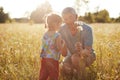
[107,47]
[19,51]
[20,47]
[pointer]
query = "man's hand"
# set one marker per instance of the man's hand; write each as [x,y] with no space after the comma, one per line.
[85,53]
[78,46]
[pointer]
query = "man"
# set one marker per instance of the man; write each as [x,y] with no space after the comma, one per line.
[79,40]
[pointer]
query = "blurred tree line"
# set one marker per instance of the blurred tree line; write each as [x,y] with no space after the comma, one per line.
[4,17]
[38,15]
[99,17]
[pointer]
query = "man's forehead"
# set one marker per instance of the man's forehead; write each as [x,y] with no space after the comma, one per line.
[69,10]
[68,14]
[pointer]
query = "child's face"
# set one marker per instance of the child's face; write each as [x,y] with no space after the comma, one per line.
[69,18]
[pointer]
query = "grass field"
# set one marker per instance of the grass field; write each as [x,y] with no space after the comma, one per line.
[20,47]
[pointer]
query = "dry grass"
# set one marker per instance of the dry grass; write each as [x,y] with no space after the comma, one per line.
[20,47]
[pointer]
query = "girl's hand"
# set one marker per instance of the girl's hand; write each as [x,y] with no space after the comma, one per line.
[61,45]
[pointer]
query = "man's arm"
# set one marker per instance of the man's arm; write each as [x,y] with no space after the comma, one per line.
[87,38]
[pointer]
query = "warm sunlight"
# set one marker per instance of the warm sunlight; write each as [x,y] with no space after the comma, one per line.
[21,8]
[58,5]
[63,45]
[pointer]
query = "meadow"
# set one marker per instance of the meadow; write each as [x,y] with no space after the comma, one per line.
[20,49]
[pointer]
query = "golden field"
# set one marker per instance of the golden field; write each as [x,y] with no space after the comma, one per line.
[20,49]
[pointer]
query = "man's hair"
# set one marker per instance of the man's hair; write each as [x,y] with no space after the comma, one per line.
[69,10]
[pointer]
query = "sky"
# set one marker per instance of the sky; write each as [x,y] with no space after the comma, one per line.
[21,8]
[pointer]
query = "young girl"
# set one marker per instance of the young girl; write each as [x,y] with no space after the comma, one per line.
[52,46]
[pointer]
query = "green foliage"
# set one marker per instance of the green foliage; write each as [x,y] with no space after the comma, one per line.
[99,17]
[3,16]
[38,15]
[90,18]
[118,19]
[103,16]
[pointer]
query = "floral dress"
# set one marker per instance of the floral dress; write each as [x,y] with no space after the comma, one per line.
[49,49]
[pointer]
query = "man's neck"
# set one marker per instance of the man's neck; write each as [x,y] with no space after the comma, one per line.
[73,29]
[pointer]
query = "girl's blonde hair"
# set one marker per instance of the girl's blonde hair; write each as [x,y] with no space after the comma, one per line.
[53,18]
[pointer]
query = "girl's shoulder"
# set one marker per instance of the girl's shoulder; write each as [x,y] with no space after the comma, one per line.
[52,36]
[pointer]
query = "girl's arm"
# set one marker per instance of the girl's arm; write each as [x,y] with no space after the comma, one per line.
[60,43]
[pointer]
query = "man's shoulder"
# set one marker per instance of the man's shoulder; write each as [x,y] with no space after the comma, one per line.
[86,27]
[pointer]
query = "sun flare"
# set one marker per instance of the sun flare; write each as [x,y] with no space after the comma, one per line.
[19,8]
[58,5]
